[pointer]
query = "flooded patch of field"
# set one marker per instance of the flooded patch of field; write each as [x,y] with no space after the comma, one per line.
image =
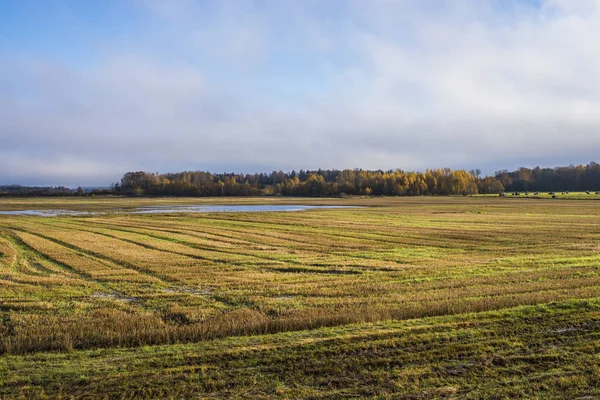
[173,209]
[226,208]
[46,213]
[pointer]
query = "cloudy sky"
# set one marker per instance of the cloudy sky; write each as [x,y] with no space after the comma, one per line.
[92,89]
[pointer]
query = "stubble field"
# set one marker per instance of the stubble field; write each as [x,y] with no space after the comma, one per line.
[403,297]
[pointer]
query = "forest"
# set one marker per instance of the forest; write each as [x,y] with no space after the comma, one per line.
[334,183]
[576,178]
[33,191]
[307,183]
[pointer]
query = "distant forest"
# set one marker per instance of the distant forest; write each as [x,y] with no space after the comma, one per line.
[576,178]
[336,183]
[33,191]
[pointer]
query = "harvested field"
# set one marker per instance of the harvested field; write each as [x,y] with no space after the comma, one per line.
[350,284]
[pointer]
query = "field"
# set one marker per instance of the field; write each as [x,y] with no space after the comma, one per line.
[474,297]
[546,195]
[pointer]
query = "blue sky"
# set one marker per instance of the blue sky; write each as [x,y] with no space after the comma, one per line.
[92,89]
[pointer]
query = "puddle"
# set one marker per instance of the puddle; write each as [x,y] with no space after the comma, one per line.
[46,213]
[172,209]
[216,208]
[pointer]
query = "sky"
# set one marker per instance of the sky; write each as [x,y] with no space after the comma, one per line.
[92,89]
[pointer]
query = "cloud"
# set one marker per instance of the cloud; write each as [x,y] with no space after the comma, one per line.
[250,86]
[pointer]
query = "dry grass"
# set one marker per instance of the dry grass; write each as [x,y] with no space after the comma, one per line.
[129,280]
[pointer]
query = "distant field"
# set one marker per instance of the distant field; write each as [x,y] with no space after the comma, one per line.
[547,195]
[421,297]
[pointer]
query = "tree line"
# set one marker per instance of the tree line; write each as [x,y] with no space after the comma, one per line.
[308,183]
[34,191]
[576,178]
[348,182]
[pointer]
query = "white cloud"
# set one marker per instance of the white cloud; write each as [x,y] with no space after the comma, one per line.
[282,85]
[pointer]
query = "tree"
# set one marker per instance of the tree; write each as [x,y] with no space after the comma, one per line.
[475,172]
[315,185]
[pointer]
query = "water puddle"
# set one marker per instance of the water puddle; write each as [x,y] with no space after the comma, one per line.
[173,209]
[46,213]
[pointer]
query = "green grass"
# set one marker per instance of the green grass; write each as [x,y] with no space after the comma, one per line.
[413,297]
[549,351]
[545,195]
